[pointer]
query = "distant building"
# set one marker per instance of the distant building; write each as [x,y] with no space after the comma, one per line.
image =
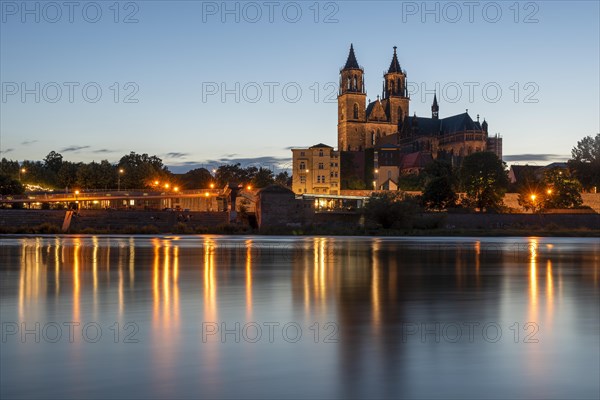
[316,170]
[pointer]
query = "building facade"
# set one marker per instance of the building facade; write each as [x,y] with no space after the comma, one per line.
[316,170]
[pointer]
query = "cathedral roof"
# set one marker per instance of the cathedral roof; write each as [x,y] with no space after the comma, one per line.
[445,126]
[395,65]
[351,62]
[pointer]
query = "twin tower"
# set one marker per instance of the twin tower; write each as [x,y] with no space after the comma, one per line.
[361,125]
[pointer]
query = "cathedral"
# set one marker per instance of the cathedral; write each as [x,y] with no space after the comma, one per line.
[397,140]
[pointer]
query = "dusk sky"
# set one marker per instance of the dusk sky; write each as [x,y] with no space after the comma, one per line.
[162,67]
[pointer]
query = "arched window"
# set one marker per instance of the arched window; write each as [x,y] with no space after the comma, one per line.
[373,138]
[355,111]
[348,83]
[378,134]
[355,85]
[400,114]
[393,91]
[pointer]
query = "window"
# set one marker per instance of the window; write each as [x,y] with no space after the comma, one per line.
[321,165]
[318,178]
[355,111]
[323,178]
[302,179]
[302,154]
[302,166]
[321,153]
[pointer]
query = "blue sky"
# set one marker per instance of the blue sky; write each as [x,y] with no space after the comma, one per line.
[162,69]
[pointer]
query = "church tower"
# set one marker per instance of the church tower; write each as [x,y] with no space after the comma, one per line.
[395,92]
[351,105]
[435,109]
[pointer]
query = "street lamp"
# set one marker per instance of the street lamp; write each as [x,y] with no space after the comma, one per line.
[212,185]
[21,171]
[76,200]
[305,180]
[121,171]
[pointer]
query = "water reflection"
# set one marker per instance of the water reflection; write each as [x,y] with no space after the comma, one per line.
[389,302]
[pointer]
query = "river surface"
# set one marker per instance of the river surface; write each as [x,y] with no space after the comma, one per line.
[306,317]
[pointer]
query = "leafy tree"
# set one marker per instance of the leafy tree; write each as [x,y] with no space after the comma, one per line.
[414,182]
[484,178]
[53,161]
[556,190]
[439,194]
[585,161]
[141,170]
[562,191]
[67,174]
[10,186]
[263,178]
[9,168]
[389,208]
[284,179]
[197,178]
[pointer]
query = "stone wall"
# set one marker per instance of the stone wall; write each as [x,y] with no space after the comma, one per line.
[113,220]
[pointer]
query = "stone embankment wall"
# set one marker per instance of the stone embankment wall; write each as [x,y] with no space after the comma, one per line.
[113,220]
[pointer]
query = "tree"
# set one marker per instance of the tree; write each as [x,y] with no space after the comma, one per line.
[439,192]
[484,178]
[10,186]
[389,208]
[53,161]
[556,190]
[263,178]
[561,190]
[141,171]
[198,178]
[9,168]
[585,161]
[284,179]
[67,174]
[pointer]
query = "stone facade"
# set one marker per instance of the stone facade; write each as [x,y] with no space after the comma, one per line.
[316,170]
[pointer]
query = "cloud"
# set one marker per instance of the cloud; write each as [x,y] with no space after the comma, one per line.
[176,155]
[535,157]
[28,142]
[103,151]
[73,148]
[229,155]
[274,163]
[6,150]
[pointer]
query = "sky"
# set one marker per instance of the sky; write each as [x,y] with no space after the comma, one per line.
[201,83]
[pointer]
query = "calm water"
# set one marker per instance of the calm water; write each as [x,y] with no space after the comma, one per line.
[223,317]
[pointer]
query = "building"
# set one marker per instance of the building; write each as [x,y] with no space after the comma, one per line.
[401,143]
[316,170]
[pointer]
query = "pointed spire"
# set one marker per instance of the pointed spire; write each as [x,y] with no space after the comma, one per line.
[351,62]
[435,109]
[435,104]
[395,65]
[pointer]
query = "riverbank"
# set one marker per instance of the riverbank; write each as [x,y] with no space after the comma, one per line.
[427,224]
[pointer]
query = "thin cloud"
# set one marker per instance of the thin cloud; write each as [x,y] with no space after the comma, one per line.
[28,142]
[102,151]
[176,155]
[73,148]
[274,163]
[7,150]
[535,157]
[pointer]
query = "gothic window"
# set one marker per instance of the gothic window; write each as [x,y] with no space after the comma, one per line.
[378,134]
[355,111]
[373,138]
[355,85]
[399,91]
[399,113]
[393,91]
[348,83]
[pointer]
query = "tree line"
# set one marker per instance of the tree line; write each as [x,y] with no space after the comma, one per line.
[133,171]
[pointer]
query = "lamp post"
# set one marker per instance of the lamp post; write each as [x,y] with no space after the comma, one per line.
[76,200]
[305,180]
[533,197]
[21,171]
[121,171]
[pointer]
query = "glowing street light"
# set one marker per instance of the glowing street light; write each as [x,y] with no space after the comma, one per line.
[121,172]
[533,196]
[212,185]
[249,187]
[176,189]
[21,171]
[549,191]
[166,185]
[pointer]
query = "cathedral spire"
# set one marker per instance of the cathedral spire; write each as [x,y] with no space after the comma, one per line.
[351,62]
[435,109]
[395,65]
